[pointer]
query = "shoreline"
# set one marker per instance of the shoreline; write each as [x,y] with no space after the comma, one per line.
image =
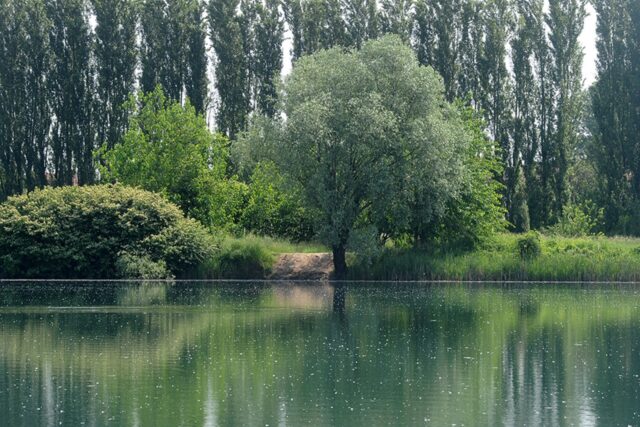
[328,281]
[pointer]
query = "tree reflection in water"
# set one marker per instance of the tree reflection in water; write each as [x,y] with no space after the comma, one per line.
[251,354]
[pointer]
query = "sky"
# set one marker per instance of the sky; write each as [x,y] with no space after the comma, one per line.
[588,40]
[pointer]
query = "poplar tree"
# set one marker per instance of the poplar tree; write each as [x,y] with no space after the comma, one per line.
[525,137]
[72,93]
[616,111]
[154,46]
[25,114]
[471,50]
[269,35]
[495,79]
[566,22]
[438,22]
[173,51]
[116,55]
[424,32]
[315,25]
[231,71]
[396,17]
[448,35]
[540,184]
[362,21]
[196,80]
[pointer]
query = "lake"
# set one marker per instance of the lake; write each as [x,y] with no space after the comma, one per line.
[254,354]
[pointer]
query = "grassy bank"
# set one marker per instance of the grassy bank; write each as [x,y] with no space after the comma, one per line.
[561,259]
[250,256]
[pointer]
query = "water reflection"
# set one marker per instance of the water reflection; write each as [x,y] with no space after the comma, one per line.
[257,354]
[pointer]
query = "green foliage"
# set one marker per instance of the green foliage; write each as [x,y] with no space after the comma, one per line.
[369,138]
[241,259]
[274,208]
[562,259]
[98,232]
[140,267]
[529,246]
[578,220]
[478,212]
[168,149]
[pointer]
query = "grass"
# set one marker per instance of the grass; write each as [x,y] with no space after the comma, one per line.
[561,259]
[250,256]
[279,246]
[585,259]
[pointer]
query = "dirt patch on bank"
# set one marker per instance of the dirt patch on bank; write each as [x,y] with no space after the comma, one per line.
[303,267]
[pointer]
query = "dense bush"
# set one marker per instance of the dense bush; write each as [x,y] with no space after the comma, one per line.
[578,220]
[529,246]
[141,267]
[274,208]
[98,232]
[245,258]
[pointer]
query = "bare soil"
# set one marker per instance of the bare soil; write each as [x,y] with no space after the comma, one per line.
[300,266]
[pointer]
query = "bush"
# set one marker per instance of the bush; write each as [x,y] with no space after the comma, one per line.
[274,208]
[141,267]
[529,246]
[578,220]
[98,232]
[244,258]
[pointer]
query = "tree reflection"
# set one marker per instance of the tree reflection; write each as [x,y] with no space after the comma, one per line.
[268,354]
[339,297]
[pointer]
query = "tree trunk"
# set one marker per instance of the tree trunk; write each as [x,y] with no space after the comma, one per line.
[339,262]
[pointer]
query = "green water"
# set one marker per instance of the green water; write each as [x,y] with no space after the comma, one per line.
[367,355]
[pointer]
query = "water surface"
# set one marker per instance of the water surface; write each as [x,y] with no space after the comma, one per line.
[366,355]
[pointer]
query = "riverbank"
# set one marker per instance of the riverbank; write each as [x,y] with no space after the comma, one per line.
[561,259]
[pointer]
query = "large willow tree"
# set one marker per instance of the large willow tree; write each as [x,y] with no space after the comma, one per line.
[370,137]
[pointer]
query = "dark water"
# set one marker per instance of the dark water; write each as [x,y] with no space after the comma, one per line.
[252,355]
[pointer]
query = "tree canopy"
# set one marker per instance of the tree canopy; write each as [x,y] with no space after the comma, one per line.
[370,138]
[169,149]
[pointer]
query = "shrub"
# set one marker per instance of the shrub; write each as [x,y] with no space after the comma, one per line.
[529,246]
[242,259]
[578,220]
[98,232]
[141,267]
[274,208]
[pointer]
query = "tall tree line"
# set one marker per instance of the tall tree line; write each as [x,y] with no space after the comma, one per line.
[25,107]
[616,112]
[69,67]
[517,61]
[247,38]
[72,64]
